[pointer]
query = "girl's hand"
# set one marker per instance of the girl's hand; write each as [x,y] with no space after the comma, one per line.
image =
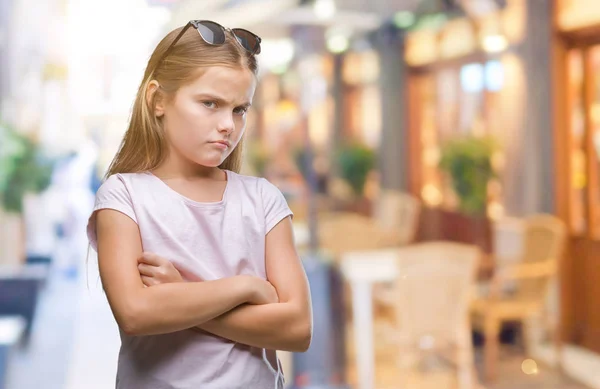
[155,270]
[262,292]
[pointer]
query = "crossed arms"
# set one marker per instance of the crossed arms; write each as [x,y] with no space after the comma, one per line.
[273,314]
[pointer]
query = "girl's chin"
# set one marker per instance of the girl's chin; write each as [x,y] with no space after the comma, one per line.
[211,160]
[210,163]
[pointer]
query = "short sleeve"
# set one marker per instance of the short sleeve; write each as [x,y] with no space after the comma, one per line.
[112,194]
[276,207]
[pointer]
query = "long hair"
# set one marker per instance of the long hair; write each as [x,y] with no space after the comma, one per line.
[144,144]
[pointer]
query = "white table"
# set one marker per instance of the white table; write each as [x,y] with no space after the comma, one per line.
[363,269]
[11,331]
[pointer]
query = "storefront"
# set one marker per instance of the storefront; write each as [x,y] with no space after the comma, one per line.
[465,78]
[577,152]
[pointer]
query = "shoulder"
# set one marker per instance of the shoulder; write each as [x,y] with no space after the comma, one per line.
[114,193]
[261,193]
[119,185]
[244,180]
[113,184]
[259,186]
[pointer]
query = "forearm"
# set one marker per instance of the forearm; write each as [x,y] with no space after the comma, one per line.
[282,326]
[177,306]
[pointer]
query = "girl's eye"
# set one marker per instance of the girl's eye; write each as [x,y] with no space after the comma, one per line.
[209,104]
[240,110]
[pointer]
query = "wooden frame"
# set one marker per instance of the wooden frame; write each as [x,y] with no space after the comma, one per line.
[477,56]
[592,186]
[579,279]
[563,134]
[562,180]
[587,36]
[414,138]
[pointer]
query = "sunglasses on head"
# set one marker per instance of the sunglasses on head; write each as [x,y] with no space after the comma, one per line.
[214,34]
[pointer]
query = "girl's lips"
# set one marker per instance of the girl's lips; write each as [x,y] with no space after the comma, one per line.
[221,144]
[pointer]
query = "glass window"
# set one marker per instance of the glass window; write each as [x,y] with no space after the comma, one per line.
[594,138]
[456,100]
[577,153]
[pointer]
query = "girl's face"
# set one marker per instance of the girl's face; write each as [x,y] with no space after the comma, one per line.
[206,118]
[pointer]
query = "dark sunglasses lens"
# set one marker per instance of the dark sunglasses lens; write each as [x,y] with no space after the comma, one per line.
[212,33]
[248,40]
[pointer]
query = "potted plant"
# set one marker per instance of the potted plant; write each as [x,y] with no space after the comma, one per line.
[468,163]
[24,169]
[354,163]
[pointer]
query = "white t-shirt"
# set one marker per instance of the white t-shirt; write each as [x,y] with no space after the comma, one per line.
[207,241]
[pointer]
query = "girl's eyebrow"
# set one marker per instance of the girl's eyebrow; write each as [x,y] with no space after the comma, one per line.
[219,99]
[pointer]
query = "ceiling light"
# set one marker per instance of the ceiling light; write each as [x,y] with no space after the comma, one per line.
[276,54]
[338,43]
[495,43]
[324,9]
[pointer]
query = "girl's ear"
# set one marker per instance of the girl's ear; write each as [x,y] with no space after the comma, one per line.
[159,109]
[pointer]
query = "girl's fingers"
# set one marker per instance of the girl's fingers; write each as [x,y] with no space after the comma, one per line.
[146,270]
[148,281]
[152,259]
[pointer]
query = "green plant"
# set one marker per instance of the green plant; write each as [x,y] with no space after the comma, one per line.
[23,168]
[354,162]
[468,163]
[10,146]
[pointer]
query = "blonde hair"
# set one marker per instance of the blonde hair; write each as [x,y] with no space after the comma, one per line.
[144,144]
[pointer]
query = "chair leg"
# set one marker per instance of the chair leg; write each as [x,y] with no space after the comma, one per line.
[467,379]
[531,336]
[528,328]
[558,347]
[491,347]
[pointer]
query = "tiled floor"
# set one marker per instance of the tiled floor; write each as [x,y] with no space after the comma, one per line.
[75,340]
[510,374]
[512,377]
[43,363]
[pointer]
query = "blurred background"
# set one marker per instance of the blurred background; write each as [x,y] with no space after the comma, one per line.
[442,159]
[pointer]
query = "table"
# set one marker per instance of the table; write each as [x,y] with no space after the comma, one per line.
[11,330]
[363,269]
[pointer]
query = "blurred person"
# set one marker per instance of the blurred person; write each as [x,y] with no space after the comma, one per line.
[42,215]
[233,289]
[72,183]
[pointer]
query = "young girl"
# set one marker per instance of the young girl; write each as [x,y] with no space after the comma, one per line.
[173,192]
